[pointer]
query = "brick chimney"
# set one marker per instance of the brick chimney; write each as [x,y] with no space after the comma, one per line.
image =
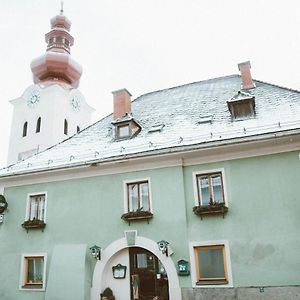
[247,82]
[122,103]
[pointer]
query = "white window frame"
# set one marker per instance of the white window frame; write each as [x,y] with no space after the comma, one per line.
[224,243]
[126,182]
[28,205]
[208,172]
[22,272]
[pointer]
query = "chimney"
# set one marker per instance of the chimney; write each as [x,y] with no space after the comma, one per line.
[122,103]
[247,82]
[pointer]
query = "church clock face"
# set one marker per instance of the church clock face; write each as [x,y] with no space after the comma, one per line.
[33,99]
[75,103]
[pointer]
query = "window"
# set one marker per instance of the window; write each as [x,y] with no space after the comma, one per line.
[210,188]
[242,106]
[138,196]
[137,201]
[66,127]
[25,129]
[59,40]
[36,212]
[211,263]
[123,131]
[242,110]
[38,125]
[36,207]
[33,271]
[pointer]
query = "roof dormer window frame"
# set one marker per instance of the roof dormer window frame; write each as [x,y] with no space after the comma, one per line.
[242,106]
[127,121]
[118,128]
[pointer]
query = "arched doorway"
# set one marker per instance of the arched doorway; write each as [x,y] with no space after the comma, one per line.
[148,277]
[118,252]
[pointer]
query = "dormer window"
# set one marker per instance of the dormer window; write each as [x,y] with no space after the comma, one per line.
[126,127]
[242,106]
[122,131]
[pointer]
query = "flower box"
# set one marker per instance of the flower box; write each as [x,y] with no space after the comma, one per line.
[137,215]
[210,209]
[34,224]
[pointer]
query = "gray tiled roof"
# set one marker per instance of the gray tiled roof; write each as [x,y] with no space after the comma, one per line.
[180,109]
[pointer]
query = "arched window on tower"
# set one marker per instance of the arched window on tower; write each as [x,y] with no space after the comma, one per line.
[38,125]
[66,127]
[78,129]
[25,129]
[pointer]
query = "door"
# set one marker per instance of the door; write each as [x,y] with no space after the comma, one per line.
[148,277]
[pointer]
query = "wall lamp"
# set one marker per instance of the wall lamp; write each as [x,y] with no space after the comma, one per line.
[96,252]
[163,246]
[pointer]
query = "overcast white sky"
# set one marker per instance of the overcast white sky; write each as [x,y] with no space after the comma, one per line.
[147,45]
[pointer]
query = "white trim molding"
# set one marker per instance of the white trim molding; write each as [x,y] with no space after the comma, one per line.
[28,205]
[126,182]
[23,269]
[207,172]
[224,243]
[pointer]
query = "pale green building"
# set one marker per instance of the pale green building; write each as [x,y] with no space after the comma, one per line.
[191,192]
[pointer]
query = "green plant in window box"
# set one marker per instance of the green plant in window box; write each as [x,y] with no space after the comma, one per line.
[138,214]
[211,209]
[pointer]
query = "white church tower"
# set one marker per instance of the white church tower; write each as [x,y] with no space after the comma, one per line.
[52,109]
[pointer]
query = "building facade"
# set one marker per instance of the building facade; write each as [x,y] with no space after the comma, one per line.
[185,193]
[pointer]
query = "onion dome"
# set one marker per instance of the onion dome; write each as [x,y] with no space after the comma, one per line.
[57,65]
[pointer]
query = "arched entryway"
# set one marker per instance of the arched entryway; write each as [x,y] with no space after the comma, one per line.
[119,252]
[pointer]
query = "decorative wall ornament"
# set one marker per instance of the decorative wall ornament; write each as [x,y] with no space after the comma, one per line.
[130,236]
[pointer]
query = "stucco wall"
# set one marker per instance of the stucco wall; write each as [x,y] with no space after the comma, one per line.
[261,225]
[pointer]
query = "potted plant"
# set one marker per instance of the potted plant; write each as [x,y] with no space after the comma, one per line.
[107,294]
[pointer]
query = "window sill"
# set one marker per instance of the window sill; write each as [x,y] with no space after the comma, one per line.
[211,282]
[136,216]
[34,224]
[211,209]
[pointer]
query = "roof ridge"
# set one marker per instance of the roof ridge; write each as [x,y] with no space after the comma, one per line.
[277,85]
[187,84]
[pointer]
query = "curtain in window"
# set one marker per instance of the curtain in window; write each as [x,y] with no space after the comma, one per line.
[133,197]
[37,207]
[144,194]
[35,270]
[203,187]
[217,188]
[211,264]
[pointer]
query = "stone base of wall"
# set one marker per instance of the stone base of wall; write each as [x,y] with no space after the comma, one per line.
[257,293]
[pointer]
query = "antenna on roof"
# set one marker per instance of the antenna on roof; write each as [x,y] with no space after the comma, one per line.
[61,7]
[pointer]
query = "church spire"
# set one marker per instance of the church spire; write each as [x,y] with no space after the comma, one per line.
[57,64]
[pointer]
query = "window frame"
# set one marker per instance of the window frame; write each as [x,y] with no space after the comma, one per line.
[126,183]
[28,206]
[117,133]
[197,194]
[23,285]
[195,275]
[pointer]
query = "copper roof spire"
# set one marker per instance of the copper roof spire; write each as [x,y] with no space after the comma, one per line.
[57,63]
